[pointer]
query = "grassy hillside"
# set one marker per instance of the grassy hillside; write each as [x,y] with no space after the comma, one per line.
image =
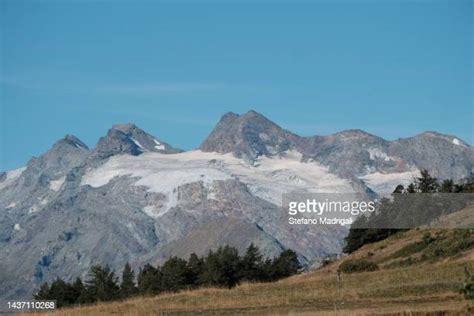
[419,271]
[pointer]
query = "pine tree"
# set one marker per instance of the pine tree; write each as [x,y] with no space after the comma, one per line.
[127,286]
[267,268]
[447,186]
[43,293]
[467,187]
[222,267]
[64,293]
[77,288]
[251,266]
[149,280]
[174,274]
[426,183]
[399,189]
[102,284]
[411,188]
[285,265]
[195,268]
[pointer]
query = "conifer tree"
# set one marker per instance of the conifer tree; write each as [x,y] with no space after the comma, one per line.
[174,274]
[221,267]
[127,286]
[447,186]
[411,188]
[149,280]
[77,288]
[426,183]
[64,293]
[43,293]
[195,268]
[399,189]
[102,284]
[285,265]
[251,266]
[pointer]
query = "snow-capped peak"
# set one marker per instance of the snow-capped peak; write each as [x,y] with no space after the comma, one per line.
[458,142]
[129,139]
[138,144]
[158,145]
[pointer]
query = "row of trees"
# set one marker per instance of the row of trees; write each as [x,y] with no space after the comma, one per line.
[407,210]
[221,268]
[428,184]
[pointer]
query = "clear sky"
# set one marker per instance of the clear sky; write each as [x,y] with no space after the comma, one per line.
[392,68]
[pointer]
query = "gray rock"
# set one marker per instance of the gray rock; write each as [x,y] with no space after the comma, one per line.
[348,153]
[52,225]
[436,153]
[129,139]
[249,136]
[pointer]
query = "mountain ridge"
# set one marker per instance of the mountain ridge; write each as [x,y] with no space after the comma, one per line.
[126,200]
[351,151]
[122,134]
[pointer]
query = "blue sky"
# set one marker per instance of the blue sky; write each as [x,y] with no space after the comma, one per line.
[393,68]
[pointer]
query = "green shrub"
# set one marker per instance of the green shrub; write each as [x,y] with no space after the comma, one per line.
[402,263]
[468,285]
[427,239]
[326,262]
[443,244]
[353,266]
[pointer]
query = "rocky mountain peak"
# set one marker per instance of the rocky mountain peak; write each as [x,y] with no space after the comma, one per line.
[65,154]
[125,128]
[130,139]
[68,145]
[229,116]
[445,156]
[248,136]
[355,134]
[434,136]
[72,140]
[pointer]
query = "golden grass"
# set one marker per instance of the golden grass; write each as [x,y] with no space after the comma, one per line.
[420,288]
[423,289]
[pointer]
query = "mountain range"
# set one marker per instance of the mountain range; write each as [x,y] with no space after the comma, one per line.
[135,198]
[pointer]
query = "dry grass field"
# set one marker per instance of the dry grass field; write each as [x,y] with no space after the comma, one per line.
[424,287]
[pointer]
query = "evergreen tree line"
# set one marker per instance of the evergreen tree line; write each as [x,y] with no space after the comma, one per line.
[221,268]
[408,212]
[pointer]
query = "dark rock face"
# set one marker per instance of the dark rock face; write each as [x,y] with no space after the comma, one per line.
[65,154]
[249,136]
[129,139]
[444,156]
[46,174]
[347,153]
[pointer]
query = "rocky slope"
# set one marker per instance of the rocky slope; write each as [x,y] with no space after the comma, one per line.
[249,136]
[347,153]
[136,198]
[129,139]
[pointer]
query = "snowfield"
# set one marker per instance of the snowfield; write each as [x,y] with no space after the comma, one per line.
[56,185]
[158,146]
[11,205]
[268,178]
[376,153]
[458,142]
[11,177]
[384,184]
